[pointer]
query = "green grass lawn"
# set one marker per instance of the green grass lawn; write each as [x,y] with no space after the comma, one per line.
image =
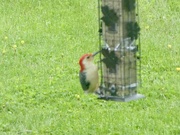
[40,94]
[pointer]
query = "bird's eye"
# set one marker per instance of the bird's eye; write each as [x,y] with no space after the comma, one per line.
[88,57]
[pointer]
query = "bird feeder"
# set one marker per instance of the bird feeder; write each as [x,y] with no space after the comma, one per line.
[119,42]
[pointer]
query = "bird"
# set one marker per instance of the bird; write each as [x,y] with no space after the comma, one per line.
[88,74]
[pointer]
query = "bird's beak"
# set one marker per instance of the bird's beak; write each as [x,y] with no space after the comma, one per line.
[94,54]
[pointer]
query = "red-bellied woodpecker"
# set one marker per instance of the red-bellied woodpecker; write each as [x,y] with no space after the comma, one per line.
[88,74]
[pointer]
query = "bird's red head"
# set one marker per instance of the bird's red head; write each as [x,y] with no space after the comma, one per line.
[84,59]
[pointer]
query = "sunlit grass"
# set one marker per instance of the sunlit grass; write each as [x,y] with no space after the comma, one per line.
[40,44]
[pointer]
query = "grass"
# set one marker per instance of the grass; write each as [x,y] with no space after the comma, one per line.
[40,94]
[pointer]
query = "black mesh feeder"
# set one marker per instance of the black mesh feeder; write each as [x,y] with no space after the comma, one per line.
[119,42]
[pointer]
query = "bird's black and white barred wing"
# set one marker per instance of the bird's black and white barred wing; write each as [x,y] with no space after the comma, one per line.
[84,83]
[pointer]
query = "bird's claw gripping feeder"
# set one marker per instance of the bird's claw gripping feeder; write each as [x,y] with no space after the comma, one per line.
[119,43]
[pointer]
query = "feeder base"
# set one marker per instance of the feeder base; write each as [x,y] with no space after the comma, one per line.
[125,99]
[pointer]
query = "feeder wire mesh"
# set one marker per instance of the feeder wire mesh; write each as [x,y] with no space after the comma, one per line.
[119,31]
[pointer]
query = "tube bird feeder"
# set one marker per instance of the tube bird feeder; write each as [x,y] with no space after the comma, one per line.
[119,42]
